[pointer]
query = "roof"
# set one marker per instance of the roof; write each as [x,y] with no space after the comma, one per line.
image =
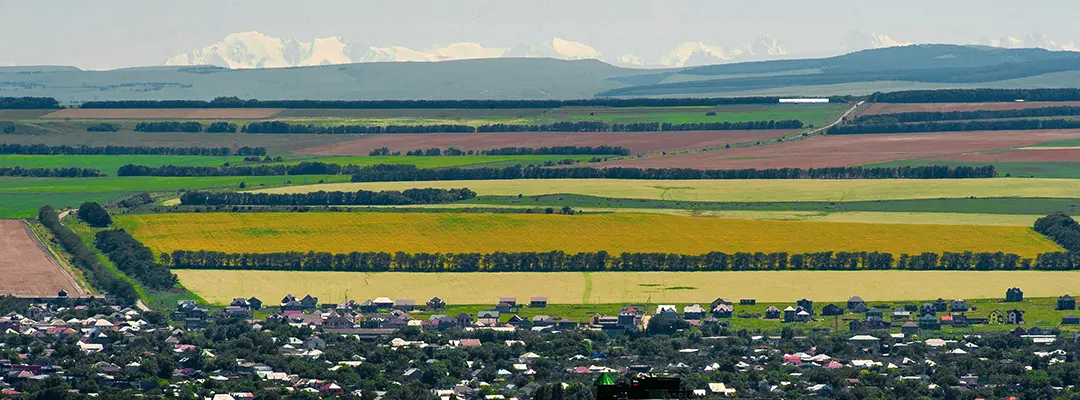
[405,302]
[538,299]
[862,338]
[382,300]
[855,298]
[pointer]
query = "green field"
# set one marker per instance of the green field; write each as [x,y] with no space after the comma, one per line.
[1047,169]
[797,190]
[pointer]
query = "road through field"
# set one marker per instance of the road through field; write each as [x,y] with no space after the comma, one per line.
[26,268]
[625,287]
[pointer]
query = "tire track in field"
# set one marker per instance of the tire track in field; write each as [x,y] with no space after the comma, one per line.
[588,288]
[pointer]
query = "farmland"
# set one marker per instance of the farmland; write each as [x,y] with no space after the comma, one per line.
[894,108]
[615,233]
[27,269]
[163,113]
[629,287]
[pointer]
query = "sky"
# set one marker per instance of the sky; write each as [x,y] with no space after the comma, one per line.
[104,34]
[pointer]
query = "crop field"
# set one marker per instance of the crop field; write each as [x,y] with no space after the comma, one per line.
[615,233]
[163,113]
[748,190]
[849,150]
[74,134]
[628,287]
[637,142]
[25,268]
[893,108]
[8,115]
[428,113]
[1024,154]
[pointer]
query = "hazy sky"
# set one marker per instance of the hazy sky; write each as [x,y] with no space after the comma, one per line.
[117,33]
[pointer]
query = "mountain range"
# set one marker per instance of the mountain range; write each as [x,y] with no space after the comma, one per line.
[257,50]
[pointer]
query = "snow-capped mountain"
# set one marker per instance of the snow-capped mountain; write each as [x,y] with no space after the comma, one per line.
[455,51]
[698,53]
[857,40]
[556,48]
[1030,41]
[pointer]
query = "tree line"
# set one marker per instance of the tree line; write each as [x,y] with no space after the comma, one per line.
[303,168]
[510,151]
[965,115]
[169,126]
[392,173]
[63,172]
[993,125]
[98,275]
[1060,228]
[41,149]
[134,259]
[565,126]
[323,198]
[28,103]
[236,102]
[557,261]
[103,127]
[975,95]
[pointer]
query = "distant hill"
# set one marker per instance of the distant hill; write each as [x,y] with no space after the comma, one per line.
[862,72]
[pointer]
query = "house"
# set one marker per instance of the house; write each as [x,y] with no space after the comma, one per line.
[929,322]
[288,298]
[666,310]
[512,301]
[487,317]
[832,310]
[538,302]
[255,303]
[789,314]
[748,302]
[772,313]
[504,307]
[238,312]
[337,321]
[854,302]
[405,305]
[1014,317]
[855,326]
[865,341]
[464,319]
[543,320]
[927,309]
[1014,295]
[910,328]
[292,305]
[940,305]
[958,305]
[515,320]
[996,317]
[802,316]
[383,303]
[874,313]
[694,312]
[309,302]
[859,308]
[723,311]
[1066,302]
[1070,319]
[436,304]
[368,306]
[805,304]
[630,317]
[240,302]
[901,315]
[719,301]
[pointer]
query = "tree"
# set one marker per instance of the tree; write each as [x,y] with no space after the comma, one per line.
[94,215]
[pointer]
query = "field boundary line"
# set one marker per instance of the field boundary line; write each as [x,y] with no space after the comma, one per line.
[585,294]
[53,257]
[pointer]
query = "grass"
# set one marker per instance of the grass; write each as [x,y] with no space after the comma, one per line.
[1058,143]
[424,162]
[615,233]
[625,287]
[109,164]
[797,190]
[1047,169]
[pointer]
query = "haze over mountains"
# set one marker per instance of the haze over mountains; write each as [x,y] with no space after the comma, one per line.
[256,50]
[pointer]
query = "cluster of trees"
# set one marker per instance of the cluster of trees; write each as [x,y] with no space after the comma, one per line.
[725,126]
[94,215]
[511,151]
[603,261]
[285,127]
[991,125]
[169,126]
[1060,228]
[140,199]
[975,95]
[236,102]
[134,259]
[965,115]
[322,198]
[103,127]
[65,172]
[28,103]
[303,168]
[41,149]
[566,126]
[221,127]
[391,173]
[98,275]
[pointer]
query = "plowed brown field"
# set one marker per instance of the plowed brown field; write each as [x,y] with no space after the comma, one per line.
[25,268]
[163,113]
[893,108]
[848,150]
[637,142]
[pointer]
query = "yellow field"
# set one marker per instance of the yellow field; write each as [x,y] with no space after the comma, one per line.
[742,190]
[625,287]
[615,233]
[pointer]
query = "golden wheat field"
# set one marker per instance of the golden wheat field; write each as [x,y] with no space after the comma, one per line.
[615,233]
[625,287]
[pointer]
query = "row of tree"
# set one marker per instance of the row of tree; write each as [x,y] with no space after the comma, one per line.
[322,198]
[1060,228]
[134,259]
[64,172]
[975,95]
[28,103]
[511,151]
[185,126]
[881,119]
[557,261]
[41,149]
[236,102]
[103,127]
[303,168]
[992,125]
[565,126]
[392,173]
[97,275]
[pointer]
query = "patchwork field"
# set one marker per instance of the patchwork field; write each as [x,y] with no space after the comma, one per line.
[25,268]
[615,233]
[1024,154]
[893,108]
[637,142]
[628,287]
[75,134]
[748,190]
[163,113]
[850,150]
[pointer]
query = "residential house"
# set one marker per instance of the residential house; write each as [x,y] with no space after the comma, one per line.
[538,302]
[832,310]
[789,314]
[238,312]
[693,312]
[1014,317]
[464,319]
[512,301]
[255,303]
[772,313]
[719,301]
[288,298]
[368,306]
[901,315]
[309,302]
[958,305]
[865,341]
[383,303]
[338,321]
[630,317]
[747,302]
[1066,302]
[927,309]
[667,310]
[723,311]
[515,320]
[854,302]
[436,304]
[487,317]
[940,305]
[240,302]
[859,308]
[566,324]
[802,316]
[1070,319]
[543,320]
[504,307]
[292,305]
[405,305]
[929,322]
[805,304]
[910,328]
[996,317]
[1014,295]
